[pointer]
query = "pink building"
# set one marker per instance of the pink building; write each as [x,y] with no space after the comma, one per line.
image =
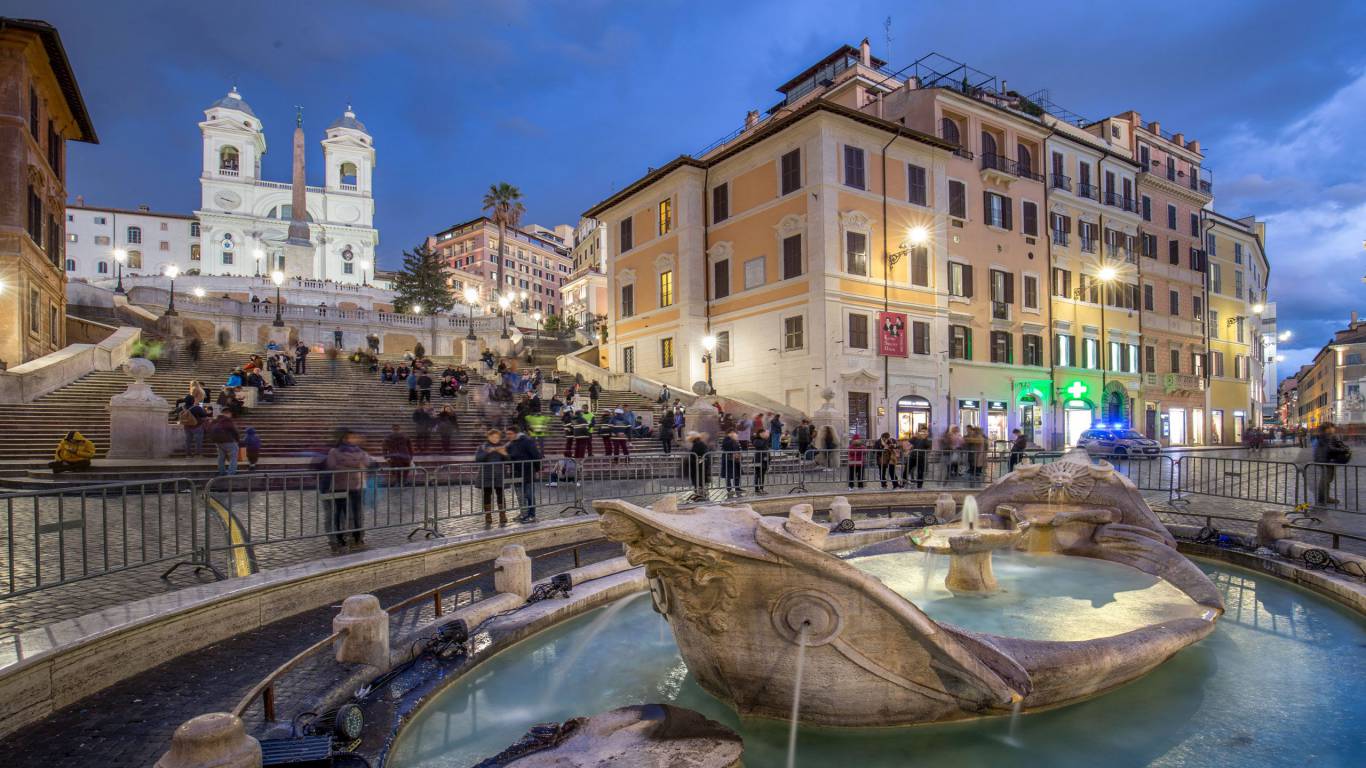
[534,267]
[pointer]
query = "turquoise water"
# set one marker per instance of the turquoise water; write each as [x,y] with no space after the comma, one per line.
[1040,597]
[1279,683]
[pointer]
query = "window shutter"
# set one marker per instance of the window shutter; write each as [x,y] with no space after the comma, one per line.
[1067,224]
[967,281]
[1007,206]
[1010,288]
[967,342]
[986,206]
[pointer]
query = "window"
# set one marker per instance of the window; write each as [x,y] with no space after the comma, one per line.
[1238,326]
[1175,301]
[227,159]
[949,130]
[1031,292]
[1214,323]
[1064,350]
[348,268]
[666,352]
[792,333]
[1084,180]
[1171,216]
[1147,208]
[723,347]
[754,272]
[1115,357]
[628,300]
[960,279]
[856,253]
[853,168]
[666,288]
[1237,253]
[920,265]
[1002,286]
[720,281]
[1025,159]
[1090,352]
[1029,218]
[792,256]
[194,229]
[1148,297]
[628,359]
[1216,363]
[720,203]
[1150,245]
[1211,244]
[35,323]
[347,172]
[920,337]
[1195,225]
[164,246]
[1032,349]
[996,210]
[958,199]
[1062,283]
[1237,284]
[988,150]
[792,171]
[626,243]
[1198,303]
[1197,364]
[1062,228]
[70,265]
[35,216]
[1086,231]
[960,342]
[1001,351]
[1216,278]
[858,331]
[102,268]
[1173,252]
[666,217]
[915,182]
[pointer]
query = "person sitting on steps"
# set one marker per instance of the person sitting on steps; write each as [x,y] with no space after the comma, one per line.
[74,451]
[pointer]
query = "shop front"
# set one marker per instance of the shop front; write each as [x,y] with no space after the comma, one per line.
[912,413]
[969,413]
[998,422]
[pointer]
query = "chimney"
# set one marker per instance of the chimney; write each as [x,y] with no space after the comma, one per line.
[751,119]
[1194,146]
[865,53]
[1155,127]
[1004,89]
[145,208]
[80,201]
[1135,118]
[1179,139]
[1354,317]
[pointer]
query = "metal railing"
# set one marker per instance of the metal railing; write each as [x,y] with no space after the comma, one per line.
[1088,190]
[1062,182]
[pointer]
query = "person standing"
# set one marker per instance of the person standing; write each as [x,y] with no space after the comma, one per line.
[583,435]
[621,434]
[804,438]
[953,450]
[887,460]
[594,392]
[1017,448]
[222,433]
[347,463]
[251,445]
[301,358]
[424,386]
[762,453]
[412,384]
[918,456]
[398,452]
[666,434]
[826,446]
[730,464]
[423,422]
[526,458]
[492,458]
[698,466]
[1329,450]
[447,421]
[857,452]
[193,419]
[775,432]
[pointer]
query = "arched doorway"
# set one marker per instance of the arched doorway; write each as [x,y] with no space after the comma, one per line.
[1077,416]
[912,413]
[1031,418]
[1114,407]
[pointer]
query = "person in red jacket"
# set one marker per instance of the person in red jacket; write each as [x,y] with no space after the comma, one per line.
[857,453]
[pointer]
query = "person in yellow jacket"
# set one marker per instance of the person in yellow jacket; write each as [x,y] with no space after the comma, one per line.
[74,452]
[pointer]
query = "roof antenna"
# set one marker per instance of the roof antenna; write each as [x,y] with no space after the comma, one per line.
[887,32]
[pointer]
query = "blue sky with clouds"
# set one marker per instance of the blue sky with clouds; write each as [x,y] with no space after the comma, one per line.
[572,99]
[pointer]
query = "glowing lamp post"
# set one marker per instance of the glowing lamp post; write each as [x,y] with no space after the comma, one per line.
[172,271]
[258,256]
[471,298]
[198,292]
[537,317]
[364,267]
[709,344]
[120,256]
[278,278]
[503,303]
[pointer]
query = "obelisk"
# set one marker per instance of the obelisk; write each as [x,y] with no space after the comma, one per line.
[298,246]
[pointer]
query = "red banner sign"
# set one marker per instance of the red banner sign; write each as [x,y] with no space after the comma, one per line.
[891,334]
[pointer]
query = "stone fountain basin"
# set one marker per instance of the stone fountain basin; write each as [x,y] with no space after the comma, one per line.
[954,539]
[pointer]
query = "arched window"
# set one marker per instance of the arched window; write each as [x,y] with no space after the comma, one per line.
[227,159]
[950,130]
[134,235]
[988,145]
[348,175]
[70,265]
[102,268]
[1025,159]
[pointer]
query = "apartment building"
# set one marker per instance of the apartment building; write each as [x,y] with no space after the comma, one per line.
[1236,297]
[41,109]
[148,241]
[1332,387]
[585,296]
[534,270]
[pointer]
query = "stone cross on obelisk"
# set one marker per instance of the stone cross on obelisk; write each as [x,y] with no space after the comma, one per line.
[299,254]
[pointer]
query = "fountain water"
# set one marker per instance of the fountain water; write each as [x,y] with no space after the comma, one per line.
[797,695]
[561,671]
[969,521]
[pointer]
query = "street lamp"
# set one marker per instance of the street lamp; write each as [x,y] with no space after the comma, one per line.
[198,292]
[1285,335]
[278,278]
[522,296]
[120,256]
[171,272]
[416,309]
[537,317]
[471,298]
[503,303]
[709,344]
[1257,309]
[364,265]
[259,255]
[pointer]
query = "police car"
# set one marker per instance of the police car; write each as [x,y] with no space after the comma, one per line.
[1118,442]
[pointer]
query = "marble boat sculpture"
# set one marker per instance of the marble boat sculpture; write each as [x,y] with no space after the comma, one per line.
[741,591]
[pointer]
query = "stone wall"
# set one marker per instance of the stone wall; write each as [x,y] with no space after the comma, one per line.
[32,380]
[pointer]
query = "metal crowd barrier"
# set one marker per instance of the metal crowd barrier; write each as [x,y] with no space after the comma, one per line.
[54,537]
[1271,482]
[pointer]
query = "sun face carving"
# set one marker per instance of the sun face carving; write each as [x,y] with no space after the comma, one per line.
[1062,482]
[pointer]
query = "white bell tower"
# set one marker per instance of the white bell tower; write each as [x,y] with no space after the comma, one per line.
[349,160]
[233,139]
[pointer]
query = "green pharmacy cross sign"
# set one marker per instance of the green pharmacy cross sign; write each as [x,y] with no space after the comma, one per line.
[1076,389]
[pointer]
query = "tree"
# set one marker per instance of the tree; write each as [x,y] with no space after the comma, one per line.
[503,203]
[423,282]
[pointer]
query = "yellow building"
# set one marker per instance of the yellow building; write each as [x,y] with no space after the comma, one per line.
[40,110]
[1236,289]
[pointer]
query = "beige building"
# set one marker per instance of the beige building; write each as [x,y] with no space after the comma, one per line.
[1237,279]
[585,296]
[40,110]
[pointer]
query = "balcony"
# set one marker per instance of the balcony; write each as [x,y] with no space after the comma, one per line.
[1088,244]
[348,187]
[1060,237]
[1119,201]
[1089,190]
[229,172]
[963,152]
[992,162]
[1000,310]
[1062,182]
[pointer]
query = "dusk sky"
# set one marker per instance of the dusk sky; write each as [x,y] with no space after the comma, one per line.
[573,100]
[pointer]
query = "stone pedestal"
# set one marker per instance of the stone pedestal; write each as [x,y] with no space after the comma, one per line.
[1272,528]
[216,740]
[367,638]
[171,326]
[801,526]
[944,508]
[138,428]
[250,395]
[701,415]
[969,552]
[298,260]
[278,334]
[470,349]
[829,416]
[839,512]
[512,571]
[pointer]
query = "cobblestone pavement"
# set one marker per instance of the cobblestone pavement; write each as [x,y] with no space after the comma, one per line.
[129,725]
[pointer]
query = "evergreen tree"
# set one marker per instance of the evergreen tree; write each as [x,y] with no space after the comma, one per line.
[423,283]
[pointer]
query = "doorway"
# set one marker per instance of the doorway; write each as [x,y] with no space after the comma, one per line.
[1197,426]
[1176,418]
[859,412]
[912,413]
[1078,417]
[969,414]
[1239,423]
[1031,419]
[1216,426]
[998,424]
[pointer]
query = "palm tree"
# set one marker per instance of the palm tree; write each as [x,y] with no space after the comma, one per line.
[503,202]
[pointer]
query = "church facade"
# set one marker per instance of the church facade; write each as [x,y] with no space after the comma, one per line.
[244,219]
